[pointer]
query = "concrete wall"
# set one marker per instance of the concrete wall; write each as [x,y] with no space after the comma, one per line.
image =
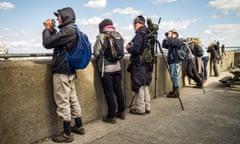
[237,58]
[27,108]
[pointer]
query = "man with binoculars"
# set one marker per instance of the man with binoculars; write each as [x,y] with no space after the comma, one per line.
[64,75]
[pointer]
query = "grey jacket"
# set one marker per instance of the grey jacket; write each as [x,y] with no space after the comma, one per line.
[103,64]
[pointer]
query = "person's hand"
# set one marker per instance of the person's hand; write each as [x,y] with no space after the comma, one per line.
[49,24]
[129,45]
[170,34]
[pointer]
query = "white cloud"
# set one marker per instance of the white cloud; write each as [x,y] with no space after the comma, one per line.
[126,11]
[96,3]
[226,5]
[162,1]
[128,28]
[6,5]
[225,33]
[91,21]
[223,29]
[5,29]
[214,16]
[184,24]
[26,46]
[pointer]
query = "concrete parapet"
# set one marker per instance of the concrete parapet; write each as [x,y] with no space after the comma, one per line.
[27,108]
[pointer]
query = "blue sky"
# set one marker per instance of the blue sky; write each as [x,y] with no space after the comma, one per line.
[22,20]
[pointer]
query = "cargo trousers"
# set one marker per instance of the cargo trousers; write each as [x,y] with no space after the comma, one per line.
[65,96]
[142,99]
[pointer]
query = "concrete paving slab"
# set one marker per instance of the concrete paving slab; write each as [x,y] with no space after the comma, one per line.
[213,117]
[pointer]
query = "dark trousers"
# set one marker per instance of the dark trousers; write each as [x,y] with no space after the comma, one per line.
[205,71]
[112,86]
[192,72]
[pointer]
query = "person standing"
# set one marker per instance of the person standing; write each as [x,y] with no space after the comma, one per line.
[111,73]
[205,59]
[173,44]
[213,49]
[141,72]
[64,75]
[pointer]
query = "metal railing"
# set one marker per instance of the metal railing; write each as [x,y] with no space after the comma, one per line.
[39,55]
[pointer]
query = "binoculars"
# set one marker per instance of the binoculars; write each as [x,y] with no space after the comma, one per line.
[52,23]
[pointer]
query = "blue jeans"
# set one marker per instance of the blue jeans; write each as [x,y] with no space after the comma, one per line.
[174,75]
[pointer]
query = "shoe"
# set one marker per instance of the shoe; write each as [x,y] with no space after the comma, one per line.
[63,138]
[171,95]
[121,115]
[77,130]
[109,120]
[199,85]
[147,111]
[135,111]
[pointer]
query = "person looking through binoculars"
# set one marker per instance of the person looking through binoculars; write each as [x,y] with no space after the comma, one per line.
[173,44]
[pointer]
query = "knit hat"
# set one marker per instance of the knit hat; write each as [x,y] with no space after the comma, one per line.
[139,19]
[104,23]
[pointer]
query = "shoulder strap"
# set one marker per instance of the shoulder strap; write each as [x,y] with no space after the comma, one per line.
[144,35]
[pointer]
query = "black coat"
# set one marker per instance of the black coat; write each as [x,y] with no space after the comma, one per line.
[173,45]
[141,73]
[66,38]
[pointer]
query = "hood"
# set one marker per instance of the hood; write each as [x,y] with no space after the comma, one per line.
[68,16]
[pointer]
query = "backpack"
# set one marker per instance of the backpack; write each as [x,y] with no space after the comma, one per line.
[147,54]
[198,50]
[81,55]
[113,46]
[182,52]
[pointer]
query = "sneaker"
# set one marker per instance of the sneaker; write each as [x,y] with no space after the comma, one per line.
[109,120]
[135,111]
[63,138]
[77,130]
[121,115]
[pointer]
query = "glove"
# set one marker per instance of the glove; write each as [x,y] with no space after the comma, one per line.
[49,24]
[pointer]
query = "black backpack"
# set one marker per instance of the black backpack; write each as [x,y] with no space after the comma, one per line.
[113,46]
[198,50]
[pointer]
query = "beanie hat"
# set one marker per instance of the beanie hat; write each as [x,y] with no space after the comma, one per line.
[104,23]
[139,19]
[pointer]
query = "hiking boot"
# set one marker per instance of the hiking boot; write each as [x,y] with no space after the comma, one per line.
[177,92]
[172,94]
[77,130]
[109,120]
[147,111]
[63,138]
[135,111]
[121,115]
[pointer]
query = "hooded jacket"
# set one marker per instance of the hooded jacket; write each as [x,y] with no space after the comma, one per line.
[173,45]
[141,73]
[66,38]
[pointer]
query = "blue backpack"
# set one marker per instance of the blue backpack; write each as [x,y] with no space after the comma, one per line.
[81,55]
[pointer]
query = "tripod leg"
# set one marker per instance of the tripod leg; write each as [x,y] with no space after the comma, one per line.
[180,101]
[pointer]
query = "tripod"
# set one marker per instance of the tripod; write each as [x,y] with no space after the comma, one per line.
[166,64]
